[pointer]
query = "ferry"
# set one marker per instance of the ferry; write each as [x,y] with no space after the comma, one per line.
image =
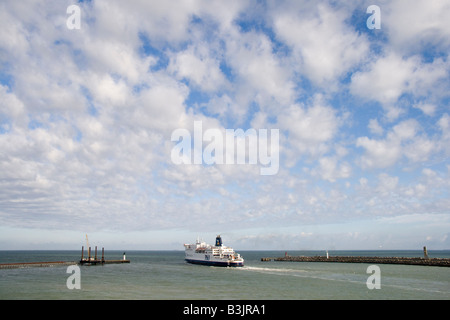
[217,255]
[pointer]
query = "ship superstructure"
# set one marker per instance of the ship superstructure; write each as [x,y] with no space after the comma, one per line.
[217,255]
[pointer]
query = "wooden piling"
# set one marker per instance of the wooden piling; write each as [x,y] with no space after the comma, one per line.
[94,261]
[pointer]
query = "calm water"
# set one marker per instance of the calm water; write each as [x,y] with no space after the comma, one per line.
[165,275]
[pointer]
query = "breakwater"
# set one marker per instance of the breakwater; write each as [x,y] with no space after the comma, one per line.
[36,264]
[89,261]
[21,265]
[438,262]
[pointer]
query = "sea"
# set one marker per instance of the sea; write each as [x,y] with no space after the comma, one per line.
[164,275]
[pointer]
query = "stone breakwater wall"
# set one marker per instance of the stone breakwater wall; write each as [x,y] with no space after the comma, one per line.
[440,262]
[36,264]
[22,265]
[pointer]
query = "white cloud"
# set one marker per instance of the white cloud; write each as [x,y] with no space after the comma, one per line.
[262,75]
[86,115]
[310,128]
[12,107]
[13,36]
[226,108]
[405,130]
[108,92]
[426,108]
[325,45]
[420,150]
[385,81]
[444,124]
[330,170]
[197,66]
[375,127]
[403,140]
[386,184]
[160,107]
[412,25]
[391,76]
[163,22]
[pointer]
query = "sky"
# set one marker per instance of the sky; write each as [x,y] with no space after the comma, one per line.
[88,109]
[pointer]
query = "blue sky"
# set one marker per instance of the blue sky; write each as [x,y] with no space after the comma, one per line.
[86,117]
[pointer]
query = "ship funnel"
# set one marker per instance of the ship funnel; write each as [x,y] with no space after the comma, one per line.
[218,241]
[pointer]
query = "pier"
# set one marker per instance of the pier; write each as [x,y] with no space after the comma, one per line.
[36,264]
[438,262]
[88,261]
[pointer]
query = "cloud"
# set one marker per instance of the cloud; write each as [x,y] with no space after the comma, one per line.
[310,128]
[403,140]
[444,125]
[86,115]
[391,76]
[197,66]
[330,170]
[428,30]
[426,108]
[375,127]
[386,184]
[262,75]
[325,46]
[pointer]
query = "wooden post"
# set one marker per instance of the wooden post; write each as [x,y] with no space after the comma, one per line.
[103,255]
[89,254]
[82,251]
[95,253]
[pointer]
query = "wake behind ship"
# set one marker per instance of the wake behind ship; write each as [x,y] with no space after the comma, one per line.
[217,255]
